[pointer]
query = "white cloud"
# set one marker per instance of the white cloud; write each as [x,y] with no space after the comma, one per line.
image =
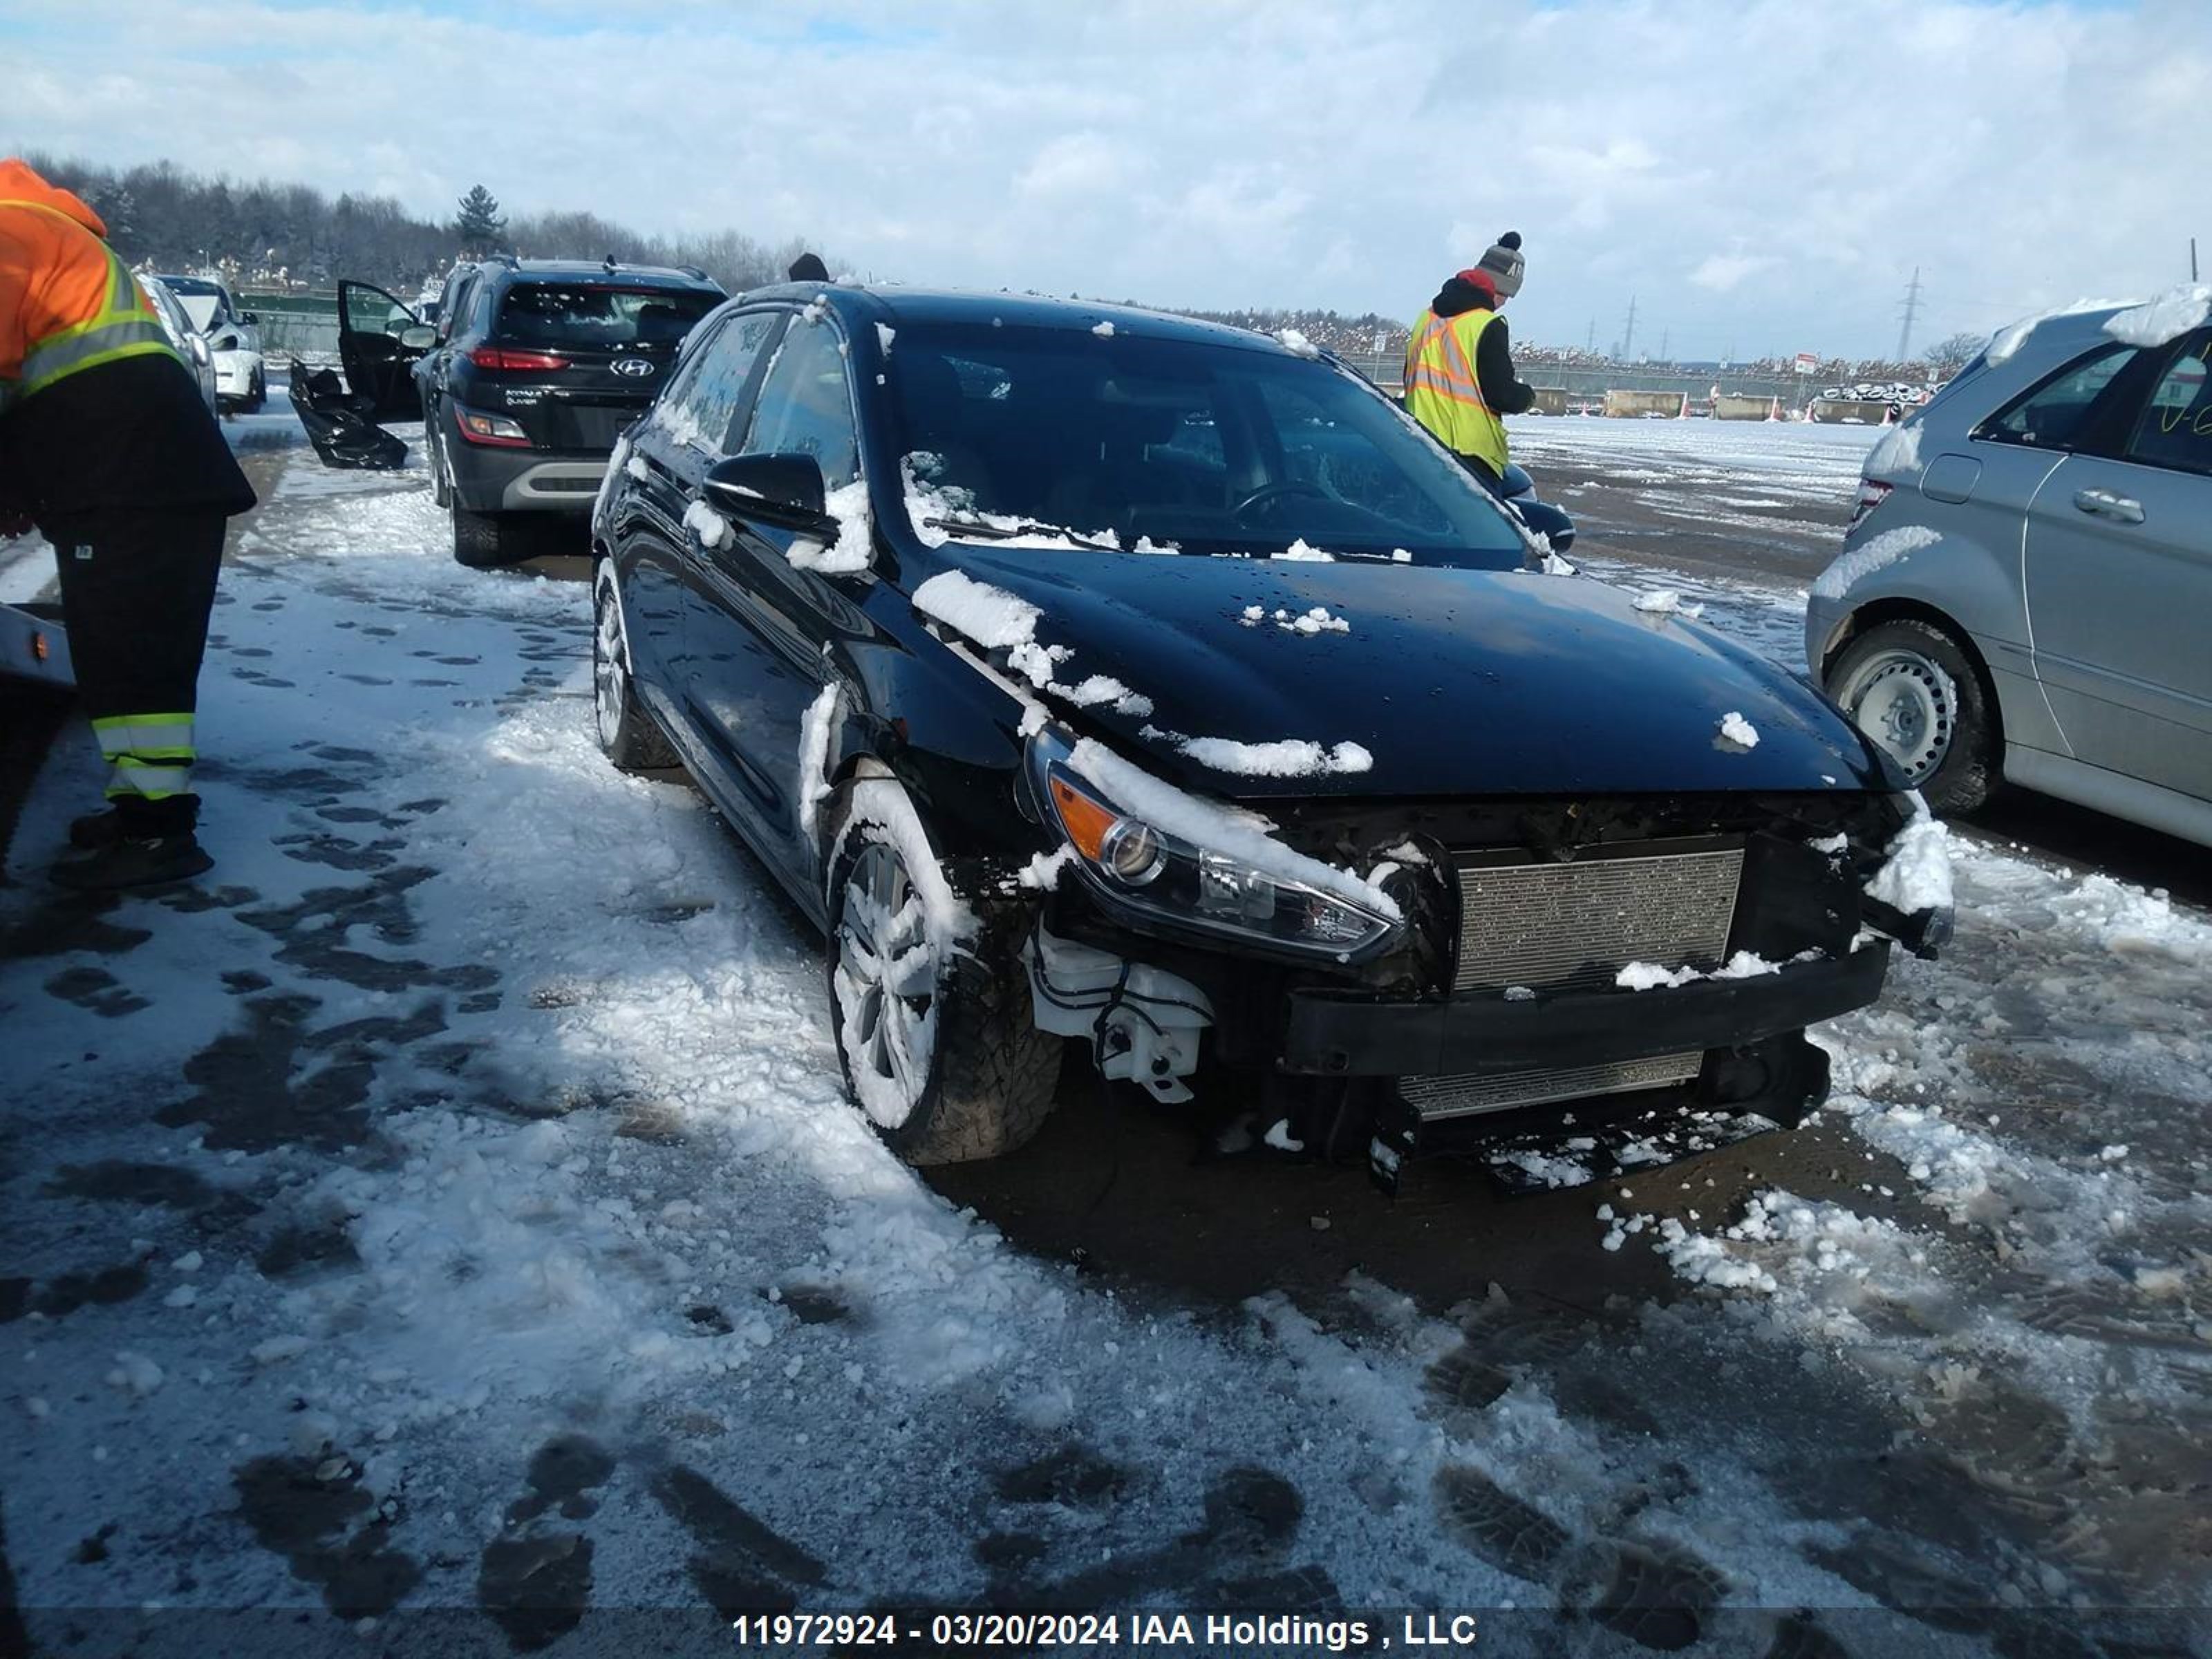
[1723,273]
[1228,152]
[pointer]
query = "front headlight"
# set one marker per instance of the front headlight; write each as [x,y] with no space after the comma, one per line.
[1185,865]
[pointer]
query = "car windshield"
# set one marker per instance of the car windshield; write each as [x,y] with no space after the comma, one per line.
[580,314]
[202,300]
[1105,439]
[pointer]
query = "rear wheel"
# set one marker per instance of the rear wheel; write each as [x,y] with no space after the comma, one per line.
[1912,689]
[481,540]
[627,733]
[932,1029]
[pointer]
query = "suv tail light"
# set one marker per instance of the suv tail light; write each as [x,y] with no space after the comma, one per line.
[1871,496]
[497,430]
[489,356]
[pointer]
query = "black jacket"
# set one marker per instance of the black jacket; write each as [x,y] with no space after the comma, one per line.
[131,435]
[1493,354]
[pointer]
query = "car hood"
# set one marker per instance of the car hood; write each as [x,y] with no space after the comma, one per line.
[1441,682]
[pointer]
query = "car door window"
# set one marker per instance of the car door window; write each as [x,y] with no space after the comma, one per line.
[706,401]
[2058,413]
[806,406]
[2175,428]
[456,306]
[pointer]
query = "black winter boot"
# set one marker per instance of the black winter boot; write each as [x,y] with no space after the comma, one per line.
[96,830]
[134,861]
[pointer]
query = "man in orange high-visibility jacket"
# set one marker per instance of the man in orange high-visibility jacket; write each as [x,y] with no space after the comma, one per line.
[1458,363]
[106,446]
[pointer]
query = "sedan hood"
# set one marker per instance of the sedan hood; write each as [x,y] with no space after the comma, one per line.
[1413,681]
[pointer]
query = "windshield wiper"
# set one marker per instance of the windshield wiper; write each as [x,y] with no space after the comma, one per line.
[1014,531]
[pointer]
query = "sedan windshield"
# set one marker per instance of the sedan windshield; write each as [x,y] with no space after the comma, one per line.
[1110,439]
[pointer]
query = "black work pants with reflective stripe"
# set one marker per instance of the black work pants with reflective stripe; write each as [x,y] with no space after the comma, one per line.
[138,587]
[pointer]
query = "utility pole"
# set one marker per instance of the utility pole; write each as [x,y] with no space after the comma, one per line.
[1628,335]
[1590,340]
[1911,305]
[1663,338]
[2192,258]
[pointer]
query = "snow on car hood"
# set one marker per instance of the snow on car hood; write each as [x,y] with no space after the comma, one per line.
[1442,682]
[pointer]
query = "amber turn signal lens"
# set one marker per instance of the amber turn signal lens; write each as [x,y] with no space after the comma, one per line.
[1086,821]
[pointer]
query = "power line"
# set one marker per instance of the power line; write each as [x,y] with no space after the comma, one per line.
[1911,305]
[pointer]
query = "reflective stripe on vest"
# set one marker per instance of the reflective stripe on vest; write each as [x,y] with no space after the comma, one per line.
[124,327]
[1445,393]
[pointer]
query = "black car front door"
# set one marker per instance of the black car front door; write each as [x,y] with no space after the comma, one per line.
[380,342]
[668,453]
[761,609]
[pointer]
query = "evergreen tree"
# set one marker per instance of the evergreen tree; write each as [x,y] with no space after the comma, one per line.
[479,224]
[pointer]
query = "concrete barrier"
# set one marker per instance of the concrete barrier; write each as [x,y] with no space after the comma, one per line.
[1846,411]
[1669,404]
[1549,400]
[1726,408]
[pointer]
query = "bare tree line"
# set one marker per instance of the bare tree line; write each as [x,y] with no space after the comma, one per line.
[264,233]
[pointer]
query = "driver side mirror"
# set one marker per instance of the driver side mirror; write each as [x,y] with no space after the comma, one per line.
[249,317]
[418,338]
[783,490]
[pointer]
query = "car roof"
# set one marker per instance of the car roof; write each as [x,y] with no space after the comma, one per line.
[894,304]
[599,270]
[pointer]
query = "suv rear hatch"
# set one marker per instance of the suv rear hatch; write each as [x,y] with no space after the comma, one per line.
[579,361]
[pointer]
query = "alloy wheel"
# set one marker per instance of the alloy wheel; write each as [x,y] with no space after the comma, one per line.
[886,985]
[610,675]
[1909,706]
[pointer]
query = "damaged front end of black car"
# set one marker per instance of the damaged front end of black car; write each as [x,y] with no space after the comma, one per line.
[1493,991]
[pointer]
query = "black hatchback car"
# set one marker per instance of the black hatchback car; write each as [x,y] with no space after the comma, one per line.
[531,371]
[1088,673]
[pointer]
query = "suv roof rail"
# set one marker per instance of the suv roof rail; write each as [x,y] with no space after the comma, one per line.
[609,263]
[508,260]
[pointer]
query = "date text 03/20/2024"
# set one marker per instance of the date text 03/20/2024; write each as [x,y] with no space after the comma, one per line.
[1270,1632]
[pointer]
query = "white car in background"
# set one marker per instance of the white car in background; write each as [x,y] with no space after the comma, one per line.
[241,381]
[190,343]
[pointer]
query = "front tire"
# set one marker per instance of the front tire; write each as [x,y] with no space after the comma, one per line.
[627,733]
[1912,689]
[256,392]
[933,1029]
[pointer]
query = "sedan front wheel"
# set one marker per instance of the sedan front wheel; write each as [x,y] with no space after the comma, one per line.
[931,1018]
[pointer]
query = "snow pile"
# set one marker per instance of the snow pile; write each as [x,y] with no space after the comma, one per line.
[1298,553]
[1916,875]
[1225,830]
[815,730]
[998,620]
[1862,561]
[1294,341]
[855,549]
[712,529]
[1744,965]
[2168,317]
[1667,602]
[1738,730]
[884,335]
[1102,329]
[1289,757]
[1318,620]
[1898,450]
[2008,341]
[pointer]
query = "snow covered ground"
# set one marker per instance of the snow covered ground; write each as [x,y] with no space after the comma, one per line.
[449,1204]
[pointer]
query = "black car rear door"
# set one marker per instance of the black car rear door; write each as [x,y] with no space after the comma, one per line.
[757,622]
[377,350]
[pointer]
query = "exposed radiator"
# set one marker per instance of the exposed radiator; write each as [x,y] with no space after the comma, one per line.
[1437,1097]
[1575,926]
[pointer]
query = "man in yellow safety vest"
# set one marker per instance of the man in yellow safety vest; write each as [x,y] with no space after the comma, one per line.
[1458,363]
[106,447]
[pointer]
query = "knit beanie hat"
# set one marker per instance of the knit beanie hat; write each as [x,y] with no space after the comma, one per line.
[1503,264]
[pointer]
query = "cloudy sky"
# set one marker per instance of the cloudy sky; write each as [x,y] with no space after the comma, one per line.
[1758,175]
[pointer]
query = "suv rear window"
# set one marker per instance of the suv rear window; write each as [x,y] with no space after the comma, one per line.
[576,314]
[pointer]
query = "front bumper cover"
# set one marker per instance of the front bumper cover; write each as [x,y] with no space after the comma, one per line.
[1351,1033]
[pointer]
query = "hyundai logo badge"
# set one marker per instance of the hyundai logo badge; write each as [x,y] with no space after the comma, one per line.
[636,367]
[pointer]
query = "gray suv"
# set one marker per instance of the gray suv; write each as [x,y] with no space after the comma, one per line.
[2025,592]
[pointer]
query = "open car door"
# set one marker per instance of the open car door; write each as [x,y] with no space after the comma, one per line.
[379,342]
